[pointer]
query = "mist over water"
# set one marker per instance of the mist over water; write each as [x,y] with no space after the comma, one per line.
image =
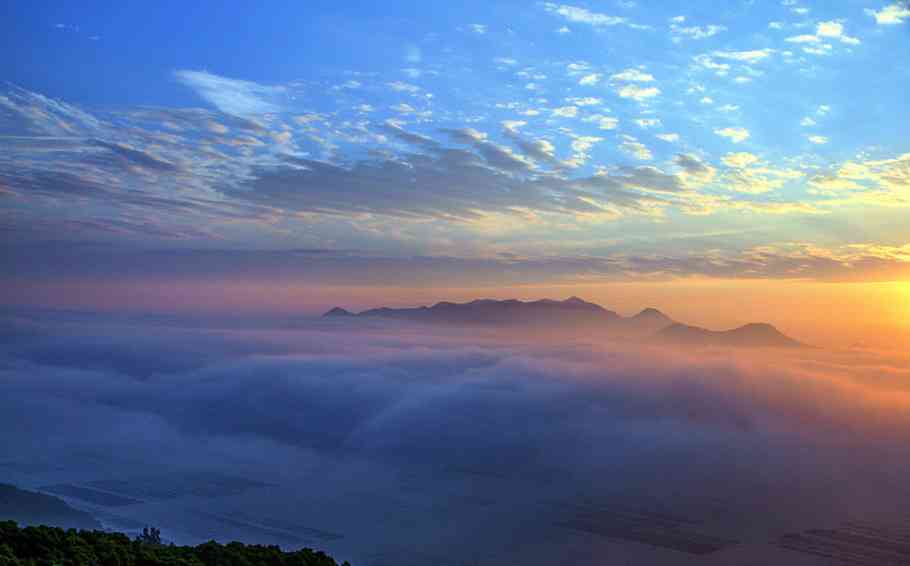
[394,443]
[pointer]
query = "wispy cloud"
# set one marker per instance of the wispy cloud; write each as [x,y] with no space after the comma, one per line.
[680,32]
[752,56]
[233,96]
[579,15]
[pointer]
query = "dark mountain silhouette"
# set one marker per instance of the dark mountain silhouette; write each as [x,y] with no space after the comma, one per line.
[338,311]
[750,335]
[574,313]
[33,508]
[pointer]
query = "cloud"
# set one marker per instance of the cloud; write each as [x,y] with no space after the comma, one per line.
[892,14]
[71,275]
[741,159]
[735,135]
[403,108]
[694,32]
[216,127]
[638,93]
[805,38]
[633,75]
[444,183]
[350,85]
[747,175]
[822,49]
[582,144]
[419,420]
[829,29]
[578,67]
[26,113]
[195,176]
[648,122]
[752,56]
[835,30]
[233,96]
[580,15]
[584,101]
[540,150]
[707,62]
[565,111]
[636,149]
[479,29]
[590,79]
[603,122]
[400,86]
[824,30]
[881,182]
[513,126]
[695,172]
[409,137]
[136,157]
[818,140]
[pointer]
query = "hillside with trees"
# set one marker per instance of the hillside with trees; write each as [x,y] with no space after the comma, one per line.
[42,545]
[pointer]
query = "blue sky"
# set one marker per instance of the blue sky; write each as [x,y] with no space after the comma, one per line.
[560,141]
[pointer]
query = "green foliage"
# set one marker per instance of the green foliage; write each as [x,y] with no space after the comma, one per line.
[51,546]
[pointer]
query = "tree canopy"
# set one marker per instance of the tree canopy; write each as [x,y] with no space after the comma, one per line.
[46,546]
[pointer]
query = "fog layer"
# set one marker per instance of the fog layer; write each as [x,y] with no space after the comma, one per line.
[391,443]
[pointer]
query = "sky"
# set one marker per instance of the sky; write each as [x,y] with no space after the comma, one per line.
[725,162]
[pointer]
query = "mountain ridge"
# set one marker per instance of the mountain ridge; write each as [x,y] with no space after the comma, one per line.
[754,334]
[576,312]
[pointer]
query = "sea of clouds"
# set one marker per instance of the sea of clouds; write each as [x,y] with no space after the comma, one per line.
[388,443]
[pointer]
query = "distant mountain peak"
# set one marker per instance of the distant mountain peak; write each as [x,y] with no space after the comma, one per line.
[651,312]
[754,334]
[338,311]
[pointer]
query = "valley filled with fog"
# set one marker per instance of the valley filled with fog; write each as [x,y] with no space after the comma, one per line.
[387,442]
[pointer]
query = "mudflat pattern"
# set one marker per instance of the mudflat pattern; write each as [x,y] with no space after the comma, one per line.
[862,544]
